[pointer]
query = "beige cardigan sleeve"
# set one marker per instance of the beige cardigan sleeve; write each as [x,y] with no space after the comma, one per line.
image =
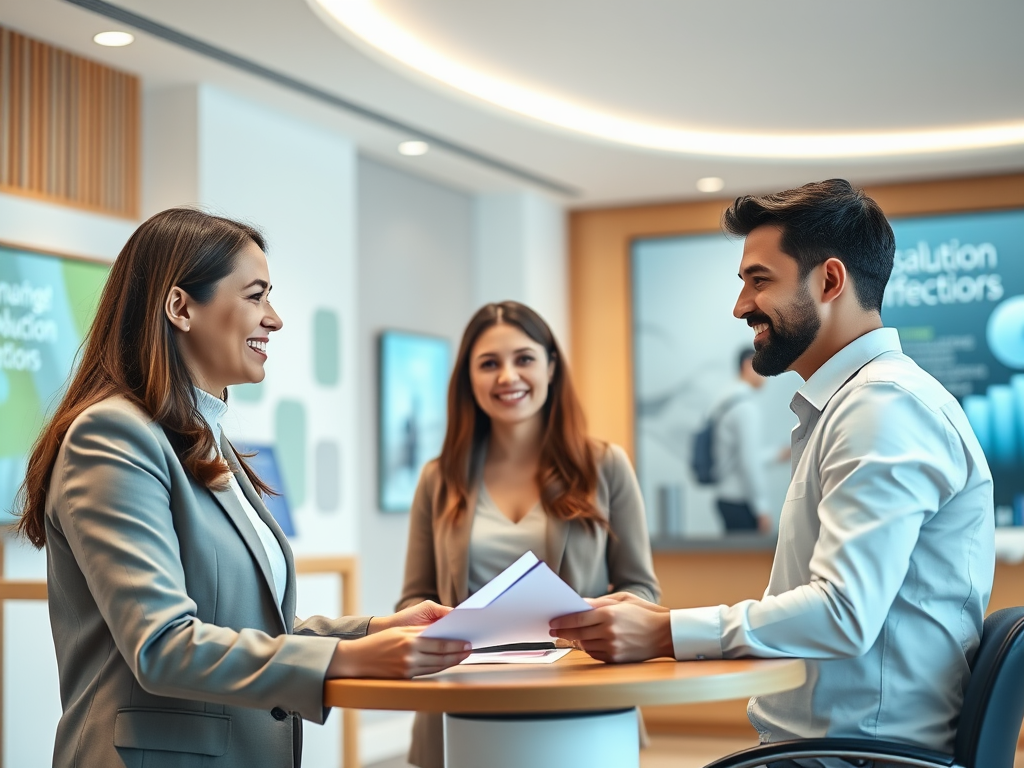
[630,564]
[420,581]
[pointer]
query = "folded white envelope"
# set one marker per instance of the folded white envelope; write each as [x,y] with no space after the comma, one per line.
[515,606]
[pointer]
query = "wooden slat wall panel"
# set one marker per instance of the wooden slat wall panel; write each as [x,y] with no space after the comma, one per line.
[69,128]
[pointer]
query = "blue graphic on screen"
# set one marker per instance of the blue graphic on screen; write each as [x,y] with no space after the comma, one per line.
[957,297]
[1005,332]
[264,464]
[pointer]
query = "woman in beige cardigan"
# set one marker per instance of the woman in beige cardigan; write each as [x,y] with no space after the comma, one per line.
[171,588]
[518,472]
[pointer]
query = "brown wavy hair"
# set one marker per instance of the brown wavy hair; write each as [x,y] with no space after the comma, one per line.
[131,349]
[567,475]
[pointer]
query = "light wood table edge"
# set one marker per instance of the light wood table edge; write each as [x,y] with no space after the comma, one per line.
[430,695]
[346,568]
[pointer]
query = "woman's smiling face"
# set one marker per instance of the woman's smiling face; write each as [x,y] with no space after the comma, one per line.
[510,374]
[224,341]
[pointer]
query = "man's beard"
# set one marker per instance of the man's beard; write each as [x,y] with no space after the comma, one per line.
[789,336]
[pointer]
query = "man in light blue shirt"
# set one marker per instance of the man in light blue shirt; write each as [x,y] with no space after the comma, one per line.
[885,557]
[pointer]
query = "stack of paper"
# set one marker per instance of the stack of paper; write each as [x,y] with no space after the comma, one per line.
[516,606]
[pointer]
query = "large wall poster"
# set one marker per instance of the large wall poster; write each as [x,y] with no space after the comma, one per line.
[685,346]
[46,306]
[956,297]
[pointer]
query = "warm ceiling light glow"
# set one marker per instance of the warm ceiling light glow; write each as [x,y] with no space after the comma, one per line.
[361,21]
[413,148]
[114,39]
[710,184]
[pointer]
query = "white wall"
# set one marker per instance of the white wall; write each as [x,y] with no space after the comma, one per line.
[415,273]
[521,253]
[416,268]
[297,184]
[32,701]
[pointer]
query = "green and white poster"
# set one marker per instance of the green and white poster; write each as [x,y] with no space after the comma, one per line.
[957,297]
[46,306]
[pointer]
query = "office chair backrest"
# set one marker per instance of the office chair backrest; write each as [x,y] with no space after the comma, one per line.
[994,704]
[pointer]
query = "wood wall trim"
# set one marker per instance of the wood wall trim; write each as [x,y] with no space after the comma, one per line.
[600,285]
[69,128]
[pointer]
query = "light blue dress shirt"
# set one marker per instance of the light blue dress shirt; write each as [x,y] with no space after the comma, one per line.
[884,562]
[212,410]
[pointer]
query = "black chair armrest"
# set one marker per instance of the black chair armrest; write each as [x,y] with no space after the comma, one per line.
[848,749]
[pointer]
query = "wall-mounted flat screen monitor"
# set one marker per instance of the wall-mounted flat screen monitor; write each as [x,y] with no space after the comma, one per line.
[413,402]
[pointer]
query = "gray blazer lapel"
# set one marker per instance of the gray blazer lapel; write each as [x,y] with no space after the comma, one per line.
[233,508]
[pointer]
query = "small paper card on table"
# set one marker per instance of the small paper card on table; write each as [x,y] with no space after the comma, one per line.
[515,606]
[549,656]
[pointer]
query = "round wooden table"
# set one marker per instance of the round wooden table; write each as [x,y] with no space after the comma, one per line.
[577,711]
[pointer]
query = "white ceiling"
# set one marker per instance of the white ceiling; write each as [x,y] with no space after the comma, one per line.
[745,66]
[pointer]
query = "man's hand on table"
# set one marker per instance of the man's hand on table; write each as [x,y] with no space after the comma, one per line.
[621,627]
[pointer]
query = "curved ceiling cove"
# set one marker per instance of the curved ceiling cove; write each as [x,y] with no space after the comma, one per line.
[366,24]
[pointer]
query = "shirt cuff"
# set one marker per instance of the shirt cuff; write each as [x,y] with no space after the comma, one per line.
[696,633]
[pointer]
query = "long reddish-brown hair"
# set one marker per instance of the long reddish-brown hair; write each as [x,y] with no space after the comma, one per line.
[131,349]
[567,475]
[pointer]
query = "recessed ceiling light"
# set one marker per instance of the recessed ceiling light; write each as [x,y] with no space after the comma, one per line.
[114,39]
[364,23]
[413,148]
[710,184]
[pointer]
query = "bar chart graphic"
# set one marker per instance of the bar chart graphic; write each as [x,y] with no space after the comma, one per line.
[997,418]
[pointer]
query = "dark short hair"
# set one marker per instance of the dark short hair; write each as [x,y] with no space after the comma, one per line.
[822,220]
[745,354]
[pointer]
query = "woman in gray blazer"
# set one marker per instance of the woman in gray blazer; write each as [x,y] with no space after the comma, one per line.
[171,588]
[518,472]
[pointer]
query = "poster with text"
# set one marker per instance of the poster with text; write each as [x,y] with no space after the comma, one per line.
[956,296]
[46,306]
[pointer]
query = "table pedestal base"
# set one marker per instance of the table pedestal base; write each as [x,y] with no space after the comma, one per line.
[579,739]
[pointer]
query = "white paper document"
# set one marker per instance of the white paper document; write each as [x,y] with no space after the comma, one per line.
[548,656]
[515,606]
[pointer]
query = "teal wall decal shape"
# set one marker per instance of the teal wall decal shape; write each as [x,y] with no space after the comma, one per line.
[246,393]
[290,442]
